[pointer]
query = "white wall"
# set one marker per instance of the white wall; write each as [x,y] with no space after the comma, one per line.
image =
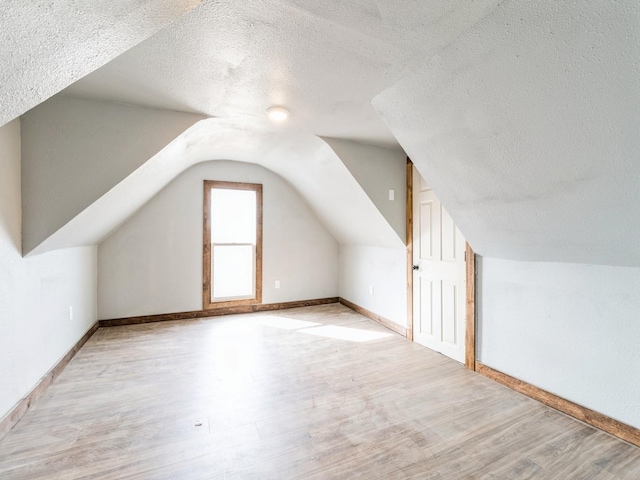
[570,329]
[76,150]
[383,268]
[153,263]
[378,170]
[35,293]
[363,266]
[96,159]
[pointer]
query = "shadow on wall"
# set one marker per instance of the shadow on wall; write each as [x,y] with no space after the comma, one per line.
[10,204]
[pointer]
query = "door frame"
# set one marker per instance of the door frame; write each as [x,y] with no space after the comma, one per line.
[470,260]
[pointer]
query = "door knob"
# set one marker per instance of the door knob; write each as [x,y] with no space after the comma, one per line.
[416,267]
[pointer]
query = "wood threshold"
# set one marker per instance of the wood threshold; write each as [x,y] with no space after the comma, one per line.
[598,420]
[409,235]
[263,307]
[375,317]
[470,327]
[14,415]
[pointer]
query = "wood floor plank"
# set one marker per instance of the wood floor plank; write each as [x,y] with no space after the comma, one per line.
[311,393]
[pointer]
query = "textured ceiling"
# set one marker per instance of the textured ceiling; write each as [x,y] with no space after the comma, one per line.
[522,114]
[324,60]
[45,46]
[528,129]
[230,60]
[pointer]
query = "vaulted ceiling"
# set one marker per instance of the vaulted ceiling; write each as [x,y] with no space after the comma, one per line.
[523,115]
[324,60]
[528,129]
[46,46]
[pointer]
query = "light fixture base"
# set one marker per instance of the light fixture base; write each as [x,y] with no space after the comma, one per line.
[277,113]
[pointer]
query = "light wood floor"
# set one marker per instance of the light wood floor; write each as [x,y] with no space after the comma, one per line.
[313,393]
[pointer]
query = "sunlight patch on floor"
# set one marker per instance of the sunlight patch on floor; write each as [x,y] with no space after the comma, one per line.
[284,323]
[345,333]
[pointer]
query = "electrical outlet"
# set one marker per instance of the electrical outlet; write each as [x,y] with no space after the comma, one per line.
[277,283]
[392,194]
[70,312]
[370,289]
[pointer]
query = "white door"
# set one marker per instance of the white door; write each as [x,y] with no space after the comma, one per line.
[439,281]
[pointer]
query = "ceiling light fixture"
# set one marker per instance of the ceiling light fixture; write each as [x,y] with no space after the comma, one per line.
[278,114]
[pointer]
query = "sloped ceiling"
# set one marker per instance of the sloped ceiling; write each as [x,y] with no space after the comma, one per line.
[527,128]
[305,160]
[231,60]
[46,46]
[523,115]
[324,60]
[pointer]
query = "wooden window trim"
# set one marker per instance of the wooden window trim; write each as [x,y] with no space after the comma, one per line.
[207,304]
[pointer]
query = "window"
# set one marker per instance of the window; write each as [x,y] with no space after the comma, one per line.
[232,246]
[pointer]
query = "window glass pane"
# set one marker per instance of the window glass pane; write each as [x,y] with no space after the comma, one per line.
[233,216]
[233,268]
